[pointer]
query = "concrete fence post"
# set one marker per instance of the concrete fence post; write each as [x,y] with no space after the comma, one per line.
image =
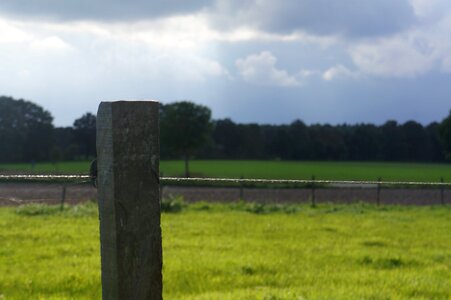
[129,206]
[241,189]
[313,200]
[378,189]
[63,197]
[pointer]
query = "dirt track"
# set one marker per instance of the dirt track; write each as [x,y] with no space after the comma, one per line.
[17,193]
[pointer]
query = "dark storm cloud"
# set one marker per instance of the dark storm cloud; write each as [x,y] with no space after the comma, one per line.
[323,17]
[104,10]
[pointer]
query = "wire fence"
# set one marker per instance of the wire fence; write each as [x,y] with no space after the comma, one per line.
[310,187]
[68,179]
[169,180]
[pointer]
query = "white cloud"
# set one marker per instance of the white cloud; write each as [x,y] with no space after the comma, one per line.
[213,68]
[179,48]
[51,43]
[190,68]
[185,53]
[413,53]
[427,9]
[17,34]
[338,71]
[190,31]
[10,33]
[446,64]
[304,73]
[391,58]
[261,69]
[425,47]
[440,40]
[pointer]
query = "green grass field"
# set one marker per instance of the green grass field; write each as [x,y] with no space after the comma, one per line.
[277,169]
[214,251]
[71,167]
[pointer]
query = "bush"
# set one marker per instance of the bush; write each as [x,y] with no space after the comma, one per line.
[37,210]
[172,204]
[80,210]
[261,208]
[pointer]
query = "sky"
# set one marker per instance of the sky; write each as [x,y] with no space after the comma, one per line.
[264,61]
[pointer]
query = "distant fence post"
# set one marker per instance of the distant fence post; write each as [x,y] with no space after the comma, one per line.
[313,191]
[129,206]
[161,187]
[63,197]
[442,191]
[378,199]
[241,189]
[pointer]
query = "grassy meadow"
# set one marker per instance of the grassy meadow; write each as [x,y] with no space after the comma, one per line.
[241,251]
[275,169]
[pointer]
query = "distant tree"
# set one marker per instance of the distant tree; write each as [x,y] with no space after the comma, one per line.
[394,147]
[365,142]
[85,134]
[278,142]
[25,131]
[253,141]
[227,138]
[301,144]
[445,135]
[416,141]
[64,139]
[435,149]
[185,127]
[328,143]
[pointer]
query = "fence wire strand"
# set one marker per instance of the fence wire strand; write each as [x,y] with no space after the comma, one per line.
[42,177]
[299,181]
[169,180]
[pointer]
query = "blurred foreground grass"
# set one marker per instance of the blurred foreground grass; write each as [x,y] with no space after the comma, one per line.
[241,251]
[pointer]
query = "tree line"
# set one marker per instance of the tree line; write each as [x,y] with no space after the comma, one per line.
[360,142]
[27,134]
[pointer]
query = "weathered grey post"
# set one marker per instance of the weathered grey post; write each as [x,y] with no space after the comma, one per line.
[313,191]
[63,197]
[129,207]
[378,199]
[241,189]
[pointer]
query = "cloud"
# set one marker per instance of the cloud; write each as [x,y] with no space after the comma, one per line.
[120,58]
[51,43]
[12,34]
[158,45]
[99,10]
[430,9]
[188,68]
[423,48]
[320,17]
[339,71]
[260,69]
[205,50]
[391,58]
[416,52]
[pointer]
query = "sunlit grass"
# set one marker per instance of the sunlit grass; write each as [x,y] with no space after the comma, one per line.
[241,251]
[47,167]
[275,169]
[306,169]
[45,254]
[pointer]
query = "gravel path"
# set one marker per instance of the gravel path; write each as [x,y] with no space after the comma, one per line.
[19,193]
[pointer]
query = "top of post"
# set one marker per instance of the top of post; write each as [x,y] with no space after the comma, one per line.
[131,101]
